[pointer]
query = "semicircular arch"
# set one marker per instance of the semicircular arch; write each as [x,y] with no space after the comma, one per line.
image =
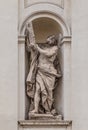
[40,14]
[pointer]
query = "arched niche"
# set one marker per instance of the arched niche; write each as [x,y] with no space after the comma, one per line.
[47,14]
[45,24]
[43,27]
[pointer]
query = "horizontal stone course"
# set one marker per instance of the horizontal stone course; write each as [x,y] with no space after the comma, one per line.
[27,123]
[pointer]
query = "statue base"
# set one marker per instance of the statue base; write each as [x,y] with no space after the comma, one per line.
[34,116]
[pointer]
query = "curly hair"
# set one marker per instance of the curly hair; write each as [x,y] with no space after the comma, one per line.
[53,37]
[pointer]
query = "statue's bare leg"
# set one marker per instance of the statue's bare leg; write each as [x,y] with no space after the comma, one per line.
[36,99]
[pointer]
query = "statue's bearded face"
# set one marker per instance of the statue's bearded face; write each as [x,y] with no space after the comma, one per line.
[51,40]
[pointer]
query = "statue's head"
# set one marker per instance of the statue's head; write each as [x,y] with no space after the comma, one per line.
[52,40]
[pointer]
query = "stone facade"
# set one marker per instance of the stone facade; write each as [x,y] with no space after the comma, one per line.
[70,20]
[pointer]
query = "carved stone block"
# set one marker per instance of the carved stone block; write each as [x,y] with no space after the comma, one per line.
[55,2]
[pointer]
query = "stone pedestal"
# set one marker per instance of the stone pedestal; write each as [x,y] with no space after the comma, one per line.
[44,117]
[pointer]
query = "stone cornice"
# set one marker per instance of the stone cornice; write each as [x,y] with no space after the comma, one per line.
[66,39]
[21,39]
[28,123]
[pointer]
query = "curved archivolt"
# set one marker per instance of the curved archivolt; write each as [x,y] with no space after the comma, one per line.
[44,16]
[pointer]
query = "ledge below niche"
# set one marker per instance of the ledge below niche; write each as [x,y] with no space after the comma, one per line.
[28,123]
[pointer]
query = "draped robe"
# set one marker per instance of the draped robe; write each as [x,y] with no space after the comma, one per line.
[42,75]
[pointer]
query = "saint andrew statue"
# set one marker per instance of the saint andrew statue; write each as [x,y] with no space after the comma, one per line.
[42,73]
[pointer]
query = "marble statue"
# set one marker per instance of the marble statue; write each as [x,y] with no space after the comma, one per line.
[42,73]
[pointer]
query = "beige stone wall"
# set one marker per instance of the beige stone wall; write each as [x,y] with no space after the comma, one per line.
[8,65]
[80,64]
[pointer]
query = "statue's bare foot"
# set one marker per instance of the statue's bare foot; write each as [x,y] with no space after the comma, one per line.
[34,111]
